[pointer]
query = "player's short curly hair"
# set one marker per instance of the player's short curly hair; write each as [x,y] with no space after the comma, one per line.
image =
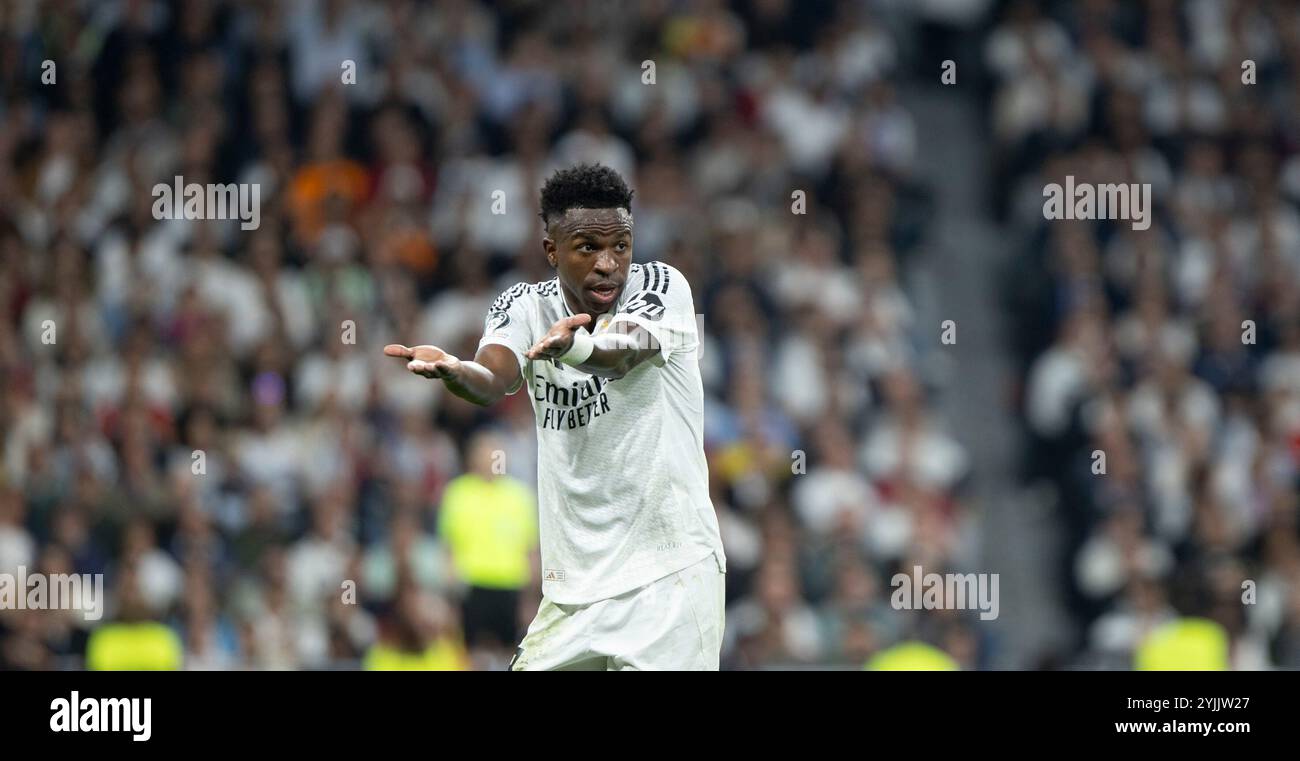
[585,186]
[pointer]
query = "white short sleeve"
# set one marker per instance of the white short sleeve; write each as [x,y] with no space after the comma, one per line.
[507,324]
[662,306]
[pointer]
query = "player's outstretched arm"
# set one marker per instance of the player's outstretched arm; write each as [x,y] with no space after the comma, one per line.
[483,381]
[611,354]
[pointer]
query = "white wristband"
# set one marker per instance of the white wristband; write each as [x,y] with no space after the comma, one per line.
[583,346]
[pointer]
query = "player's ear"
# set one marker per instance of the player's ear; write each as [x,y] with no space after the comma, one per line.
[548,245]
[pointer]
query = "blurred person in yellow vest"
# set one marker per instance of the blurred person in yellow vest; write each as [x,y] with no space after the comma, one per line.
[1185,644]
[911,656]
[488,522]
[133,641]
[419,634]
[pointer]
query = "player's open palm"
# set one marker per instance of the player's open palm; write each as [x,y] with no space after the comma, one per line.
[559,338]
[429,361]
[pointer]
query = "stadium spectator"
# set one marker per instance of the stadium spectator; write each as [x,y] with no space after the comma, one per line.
[489,522]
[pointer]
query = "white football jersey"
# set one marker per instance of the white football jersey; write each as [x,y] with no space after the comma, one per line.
[623,495]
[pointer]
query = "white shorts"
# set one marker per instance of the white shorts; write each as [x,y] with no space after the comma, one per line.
[673,624]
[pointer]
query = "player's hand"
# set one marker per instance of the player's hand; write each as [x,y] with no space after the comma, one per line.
[558,339]
[429,361]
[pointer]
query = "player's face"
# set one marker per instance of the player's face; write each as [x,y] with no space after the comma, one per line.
[591,250]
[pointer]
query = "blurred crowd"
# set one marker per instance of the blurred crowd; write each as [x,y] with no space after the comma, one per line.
[1173,351]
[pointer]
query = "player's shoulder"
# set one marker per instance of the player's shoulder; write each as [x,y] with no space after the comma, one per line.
[657,277]
[524,293]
